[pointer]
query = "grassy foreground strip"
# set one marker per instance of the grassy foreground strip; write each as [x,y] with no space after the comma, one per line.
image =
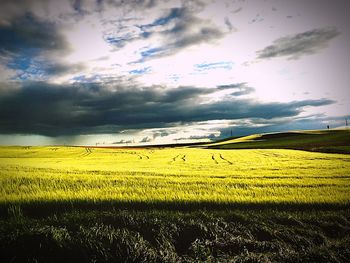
[240,235]
[34,175]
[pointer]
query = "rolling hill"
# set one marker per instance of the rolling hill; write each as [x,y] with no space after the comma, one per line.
[331,141]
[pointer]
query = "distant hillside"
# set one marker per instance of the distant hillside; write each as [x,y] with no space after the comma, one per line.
[332,141]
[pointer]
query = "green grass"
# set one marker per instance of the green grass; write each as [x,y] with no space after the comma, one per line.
[333,141]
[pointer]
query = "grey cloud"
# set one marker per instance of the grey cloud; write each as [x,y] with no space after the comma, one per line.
[314,122]
[240,109]
[231,86]
[29,45]
[240,89]
[118,142]
[28,35]
[237,10]
[66,9]
[160,133]
[11,9]
[186,30]
[43,69]
[298,45]
[204,34]
[211,136]
[146,139]
[229,24]
[42,108]
[189,29]
[61,68]
[243,91]
[130,4]
[123,142]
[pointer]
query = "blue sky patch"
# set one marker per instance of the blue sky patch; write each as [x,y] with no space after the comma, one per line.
[140,71]
[118,41]
[214,65]
[151,52]
[174,13]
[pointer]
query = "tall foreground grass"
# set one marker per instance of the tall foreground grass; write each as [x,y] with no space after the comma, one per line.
[175,176]
[172,236]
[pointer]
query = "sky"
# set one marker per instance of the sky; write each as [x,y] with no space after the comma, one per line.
[105,72]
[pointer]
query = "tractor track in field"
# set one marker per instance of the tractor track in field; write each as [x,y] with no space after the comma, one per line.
[177,157]
[213,158]
[143,156]
[174,158]
[224,159]
[88,151]
[220,159]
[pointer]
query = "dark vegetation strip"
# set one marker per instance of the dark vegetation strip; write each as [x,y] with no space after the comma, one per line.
[119,235]
[44,207]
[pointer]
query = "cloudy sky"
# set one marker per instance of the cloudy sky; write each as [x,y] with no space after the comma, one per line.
[142,71]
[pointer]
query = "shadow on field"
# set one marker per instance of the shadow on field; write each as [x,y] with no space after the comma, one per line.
[231,234]
[43,208]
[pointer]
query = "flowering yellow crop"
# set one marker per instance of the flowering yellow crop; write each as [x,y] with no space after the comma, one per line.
[179,175]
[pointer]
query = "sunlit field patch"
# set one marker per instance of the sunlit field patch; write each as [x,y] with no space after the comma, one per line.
[172,175]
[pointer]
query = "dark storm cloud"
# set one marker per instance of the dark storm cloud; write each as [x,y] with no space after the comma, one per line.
[31,67]
[298,45]
[314,122]
[12,9]
[60,68]
[28,35]
[41,108]
[26,44]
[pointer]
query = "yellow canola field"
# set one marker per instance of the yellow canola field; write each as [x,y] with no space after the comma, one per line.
[175,175]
